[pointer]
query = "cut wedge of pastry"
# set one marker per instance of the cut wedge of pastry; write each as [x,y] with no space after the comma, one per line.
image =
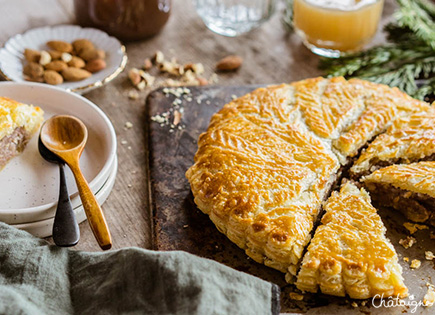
[18,122]
[408,188]
[349,253]
[409,139]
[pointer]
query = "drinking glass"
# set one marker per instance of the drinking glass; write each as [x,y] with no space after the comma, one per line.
[234,17]
[331,28]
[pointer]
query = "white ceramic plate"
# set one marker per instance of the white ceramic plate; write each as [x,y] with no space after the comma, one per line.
[29,185]
[44,228]
[12,59]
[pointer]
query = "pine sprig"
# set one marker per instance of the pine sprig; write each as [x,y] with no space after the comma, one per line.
[416,15]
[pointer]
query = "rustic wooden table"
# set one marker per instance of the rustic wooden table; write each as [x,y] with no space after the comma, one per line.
[271,56]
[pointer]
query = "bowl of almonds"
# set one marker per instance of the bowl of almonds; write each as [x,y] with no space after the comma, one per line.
[68,56]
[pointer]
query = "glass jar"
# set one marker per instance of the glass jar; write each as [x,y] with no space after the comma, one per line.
[234,17]
[125,19]
[333,27]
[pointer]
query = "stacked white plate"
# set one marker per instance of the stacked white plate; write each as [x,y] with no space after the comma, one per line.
[29,185]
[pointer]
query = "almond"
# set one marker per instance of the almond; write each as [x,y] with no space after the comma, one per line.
[45,58]
[101,54]
[88,54]
[134,76]
[82,44]
[147,64]
[57,65]
[60,45]
[66,57]
[55,54]
[32,55]
[52,77]
[229,63]
[75,74]
[76,62]
[33,70]
[95,65]
[202,81]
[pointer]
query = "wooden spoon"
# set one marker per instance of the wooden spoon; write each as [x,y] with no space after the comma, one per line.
[66,137]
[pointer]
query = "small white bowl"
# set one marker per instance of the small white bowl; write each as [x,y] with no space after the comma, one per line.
[12,58]
[44,228]
[29,185]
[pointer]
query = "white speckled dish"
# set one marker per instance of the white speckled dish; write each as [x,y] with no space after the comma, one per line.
[44,228]
[12,59]
[29,186]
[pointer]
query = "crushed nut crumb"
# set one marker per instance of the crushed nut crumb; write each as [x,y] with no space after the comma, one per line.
[407,242]
[405,259]
[296,296]
[133,94]
[429,298]
[124,142]
[414,227]
[354,304]
[128,125]
[429,255]
[415,264]
[177,117]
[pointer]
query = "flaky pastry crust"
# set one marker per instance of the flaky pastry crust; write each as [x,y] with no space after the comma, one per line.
[408,139]
[349,253]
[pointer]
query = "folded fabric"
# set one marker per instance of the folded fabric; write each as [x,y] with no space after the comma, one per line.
[38,278]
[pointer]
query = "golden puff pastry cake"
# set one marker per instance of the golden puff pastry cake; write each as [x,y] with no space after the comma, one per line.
[270,158]
[18,122]
[409,188]
[409,139]
[349,253]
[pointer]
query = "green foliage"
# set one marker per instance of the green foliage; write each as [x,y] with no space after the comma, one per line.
[407,61]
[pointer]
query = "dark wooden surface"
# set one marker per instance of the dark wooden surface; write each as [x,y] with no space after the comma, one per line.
[180,225]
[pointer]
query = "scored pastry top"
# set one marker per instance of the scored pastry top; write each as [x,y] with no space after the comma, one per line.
[415,177]
[349,253]
[409,139]
[14,114]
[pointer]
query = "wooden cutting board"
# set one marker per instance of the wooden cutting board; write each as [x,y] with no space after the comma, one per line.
[179,225]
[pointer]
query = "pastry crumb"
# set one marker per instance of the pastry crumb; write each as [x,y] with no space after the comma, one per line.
[296,296]
[429,298]
[407,242]
[124,142]
[133,94]
[354,304]
[415,264]
[185,226]
[128,125]
[429,255]
[405,259]
[414,227]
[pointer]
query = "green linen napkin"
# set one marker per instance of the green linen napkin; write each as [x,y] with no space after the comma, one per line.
[37,278]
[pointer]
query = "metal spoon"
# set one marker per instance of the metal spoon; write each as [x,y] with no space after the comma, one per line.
[66,137]
[66,230]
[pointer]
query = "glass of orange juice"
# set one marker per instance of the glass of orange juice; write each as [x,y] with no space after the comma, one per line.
[331,28]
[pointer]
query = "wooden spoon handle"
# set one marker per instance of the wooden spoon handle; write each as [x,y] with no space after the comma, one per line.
[93,211]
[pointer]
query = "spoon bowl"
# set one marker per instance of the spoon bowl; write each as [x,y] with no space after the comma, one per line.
[64,133]
[66,137]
